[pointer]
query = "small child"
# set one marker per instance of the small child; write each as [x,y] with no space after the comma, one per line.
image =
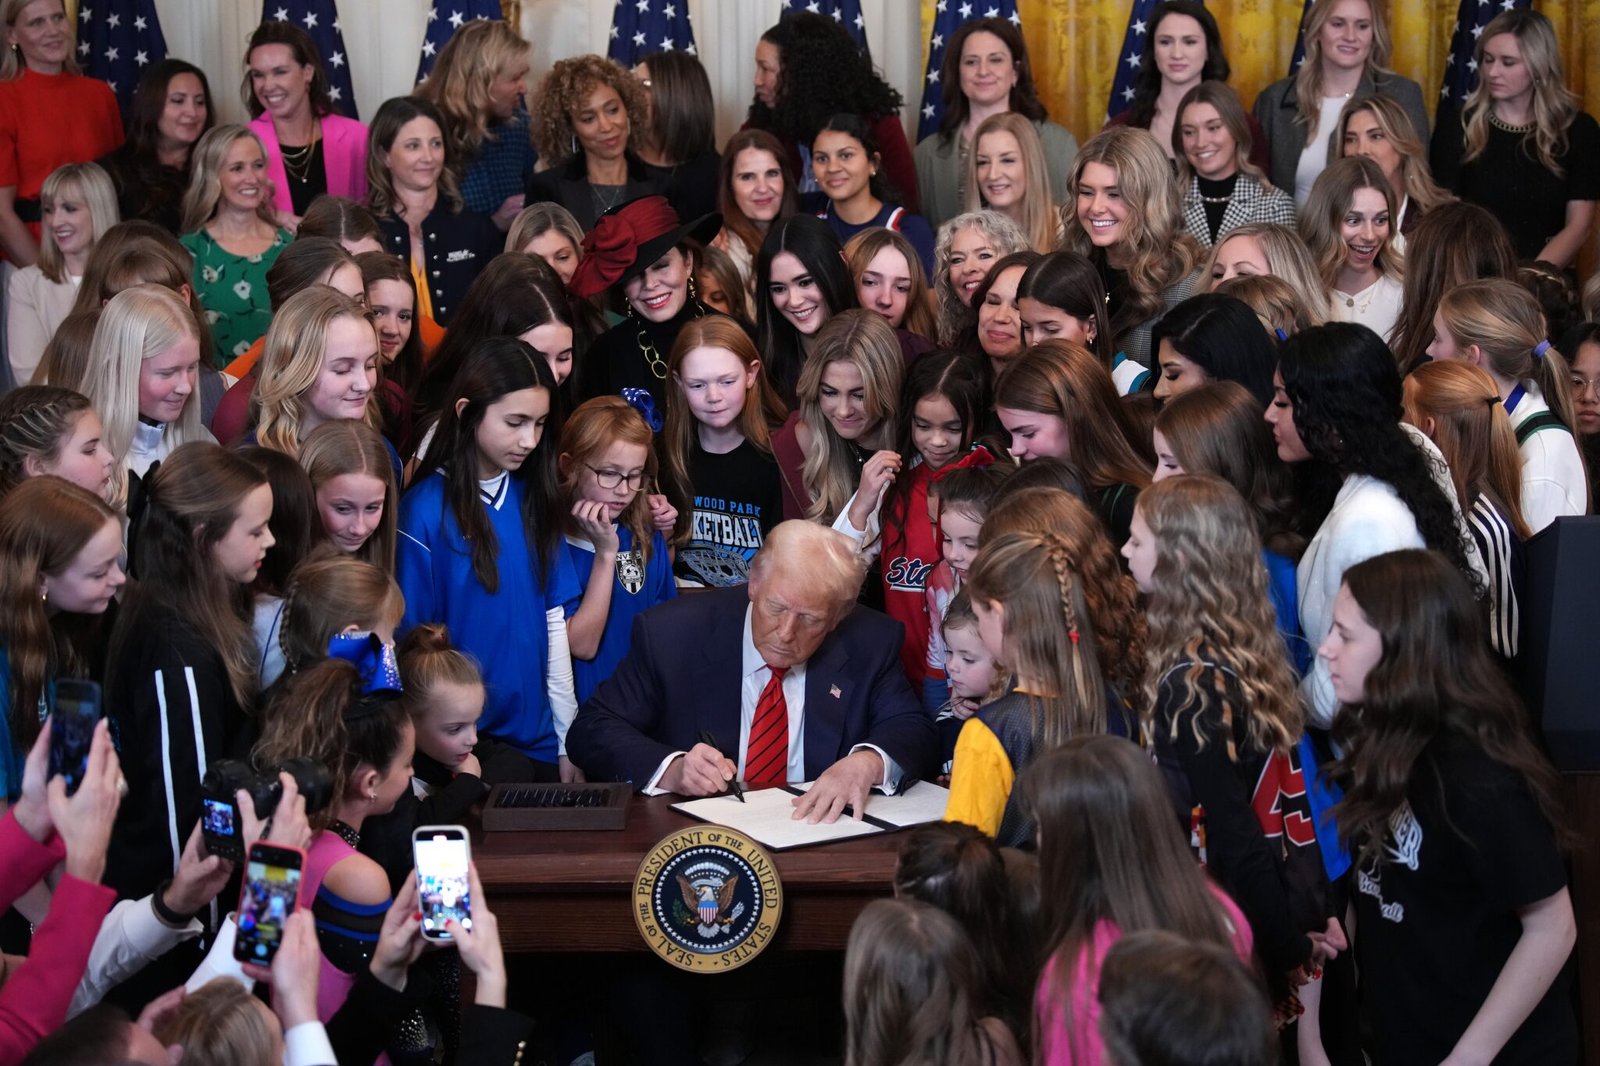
[973,676]
[959,500]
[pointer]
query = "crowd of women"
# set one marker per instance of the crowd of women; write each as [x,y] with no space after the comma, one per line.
[1197,462]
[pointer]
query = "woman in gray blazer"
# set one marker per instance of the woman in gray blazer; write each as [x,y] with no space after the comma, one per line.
[1347,55]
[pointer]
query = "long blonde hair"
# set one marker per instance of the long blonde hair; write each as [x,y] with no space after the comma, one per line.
[863,339]
[459,85]
[1158,248]
[1289,258]
[345,446]
[93,187]
[200,199]
[1473,432]
[139,323]
[1415,177]
[296,345]
[1308,80]
[1050,642]
[1041,218]
[1331,196]
[1554,105]
[1209,604]
[11,58]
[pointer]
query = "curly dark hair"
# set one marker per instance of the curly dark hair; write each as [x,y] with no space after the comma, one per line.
[1024,96]
[824,74]
[1147,84]
[1348,402]
[564,88]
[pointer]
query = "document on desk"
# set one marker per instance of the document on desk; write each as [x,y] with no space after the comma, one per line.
[768,814]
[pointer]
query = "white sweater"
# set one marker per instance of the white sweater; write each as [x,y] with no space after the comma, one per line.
[1553,481]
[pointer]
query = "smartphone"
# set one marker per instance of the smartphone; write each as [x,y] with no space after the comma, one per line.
[442,855]
[271,891]
[77,711]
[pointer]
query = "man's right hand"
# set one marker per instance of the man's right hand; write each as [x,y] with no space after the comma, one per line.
[701,771]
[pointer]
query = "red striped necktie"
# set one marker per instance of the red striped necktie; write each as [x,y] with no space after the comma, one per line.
[766,760]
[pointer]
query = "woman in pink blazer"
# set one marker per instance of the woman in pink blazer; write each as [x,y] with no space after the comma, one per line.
[311,150]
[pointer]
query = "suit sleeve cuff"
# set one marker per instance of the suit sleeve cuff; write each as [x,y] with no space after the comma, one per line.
[891,769]
[654,787]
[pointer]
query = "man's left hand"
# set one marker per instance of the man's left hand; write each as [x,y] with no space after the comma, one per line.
[847,782]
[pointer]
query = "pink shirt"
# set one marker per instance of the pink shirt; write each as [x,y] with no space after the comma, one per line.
[1081,1046]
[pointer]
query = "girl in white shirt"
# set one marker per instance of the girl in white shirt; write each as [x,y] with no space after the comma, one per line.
[1498,325]
[1349,222]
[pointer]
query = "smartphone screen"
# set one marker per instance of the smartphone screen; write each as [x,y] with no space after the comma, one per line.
[72,722]
[443,886]
[271,888]
[219,822]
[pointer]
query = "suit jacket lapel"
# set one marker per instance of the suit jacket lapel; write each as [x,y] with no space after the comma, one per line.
[828,696]
[720,678]
[1239,209]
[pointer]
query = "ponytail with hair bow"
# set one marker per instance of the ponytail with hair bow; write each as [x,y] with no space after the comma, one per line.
[977,458]
[373,659]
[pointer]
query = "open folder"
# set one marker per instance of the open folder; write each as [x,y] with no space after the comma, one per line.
[768,814]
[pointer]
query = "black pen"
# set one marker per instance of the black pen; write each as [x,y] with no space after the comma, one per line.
[733,786]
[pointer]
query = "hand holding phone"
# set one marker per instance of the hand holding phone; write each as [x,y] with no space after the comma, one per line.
[444,886]
[77,711]
[270,894]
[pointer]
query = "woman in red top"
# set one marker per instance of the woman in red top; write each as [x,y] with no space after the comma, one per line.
[49,115]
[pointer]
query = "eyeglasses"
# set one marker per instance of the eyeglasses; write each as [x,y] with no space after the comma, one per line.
[1581,384]
[610,479]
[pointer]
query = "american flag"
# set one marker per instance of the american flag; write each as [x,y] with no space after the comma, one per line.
[320,18]
[1131,56]
[445,17]
[1300,41]
[846,13]
[641,28]
[117,39]
[948,15]
[1461,65]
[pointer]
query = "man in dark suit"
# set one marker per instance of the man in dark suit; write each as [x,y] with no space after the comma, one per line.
[713,664]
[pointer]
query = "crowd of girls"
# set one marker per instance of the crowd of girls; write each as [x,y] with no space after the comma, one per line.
[1198,464]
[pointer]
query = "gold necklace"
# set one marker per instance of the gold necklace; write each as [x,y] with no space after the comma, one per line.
[297,161]
[1501,124]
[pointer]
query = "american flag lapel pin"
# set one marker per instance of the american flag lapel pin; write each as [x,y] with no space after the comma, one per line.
[833,690]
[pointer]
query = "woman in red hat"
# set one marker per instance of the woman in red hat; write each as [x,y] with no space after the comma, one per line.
[643,252]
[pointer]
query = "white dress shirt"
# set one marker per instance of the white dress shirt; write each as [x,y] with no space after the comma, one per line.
[754,674]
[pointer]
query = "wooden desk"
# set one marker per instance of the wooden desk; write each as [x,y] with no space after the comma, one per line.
[573,891]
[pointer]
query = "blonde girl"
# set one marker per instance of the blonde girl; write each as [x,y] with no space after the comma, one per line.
[550,232]
[1265,248]
[1525,150]
[1007,172]
[1497,325]
[1379,128]
[1126,217]
[608,472]
[78,204]
[1031,614]
[143,381]
[718,465]
[890,280]
[1458,406]
[231,232]
[849,409]
[353,482]
[1349,224]
[1223,719]
[1347,55]
[320,365]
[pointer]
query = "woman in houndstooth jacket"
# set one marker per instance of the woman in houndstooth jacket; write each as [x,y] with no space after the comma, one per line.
[1223,189]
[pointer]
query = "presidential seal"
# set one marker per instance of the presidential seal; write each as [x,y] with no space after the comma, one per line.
[707,899]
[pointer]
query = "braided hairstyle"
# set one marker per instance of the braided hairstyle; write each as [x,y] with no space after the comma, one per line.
[1049,641]
[36,421]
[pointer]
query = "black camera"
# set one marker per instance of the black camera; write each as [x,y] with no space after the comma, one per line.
[220,823]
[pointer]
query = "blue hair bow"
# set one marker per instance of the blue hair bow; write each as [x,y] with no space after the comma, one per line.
[373,659]
[641,400]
